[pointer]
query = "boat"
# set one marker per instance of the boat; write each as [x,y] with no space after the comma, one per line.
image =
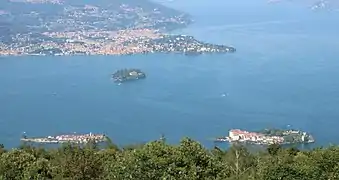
[222,139]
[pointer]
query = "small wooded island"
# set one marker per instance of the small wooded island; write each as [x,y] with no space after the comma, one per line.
[123,75]
[268,136]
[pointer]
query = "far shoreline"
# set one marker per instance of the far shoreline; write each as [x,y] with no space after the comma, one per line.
[157,36]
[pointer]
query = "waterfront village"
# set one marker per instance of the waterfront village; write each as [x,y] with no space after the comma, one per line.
[121,42]
[99,28]
[268,136]
[67,138]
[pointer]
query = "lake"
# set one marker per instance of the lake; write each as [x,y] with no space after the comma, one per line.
[283,73]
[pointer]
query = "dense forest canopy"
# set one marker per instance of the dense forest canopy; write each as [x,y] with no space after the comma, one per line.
[159,160]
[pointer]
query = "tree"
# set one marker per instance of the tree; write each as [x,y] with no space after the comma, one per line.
[193,161]
[273,149]
[76,162]
[239,160]
[2,149]
[14,164]
[39,169]
[159,160]
[149,161]
[111,145]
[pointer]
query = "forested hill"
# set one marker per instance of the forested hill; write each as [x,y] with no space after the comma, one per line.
[158,160]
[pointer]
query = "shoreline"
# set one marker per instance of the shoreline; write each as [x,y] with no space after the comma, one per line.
[148,33]
[120,45]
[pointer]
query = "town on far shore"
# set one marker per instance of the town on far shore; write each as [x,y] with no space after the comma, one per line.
[60,27]
[268,136]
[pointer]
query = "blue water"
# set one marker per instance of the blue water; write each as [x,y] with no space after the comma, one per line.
[284,73]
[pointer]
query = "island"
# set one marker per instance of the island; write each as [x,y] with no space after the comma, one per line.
[268,136]
[67,138]
[128,75]
[95,27]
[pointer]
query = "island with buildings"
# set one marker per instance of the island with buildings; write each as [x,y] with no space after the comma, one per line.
[128,75]
[268,136]
[95,27]
[67,138]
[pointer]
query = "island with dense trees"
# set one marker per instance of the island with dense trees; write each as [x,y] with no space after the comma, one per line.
[123,75]
[158,160]
[290,136]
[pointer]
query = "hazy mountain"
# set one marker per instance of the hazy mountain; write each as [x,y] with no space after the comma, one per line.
[326,4]
[314,4]
[40,15]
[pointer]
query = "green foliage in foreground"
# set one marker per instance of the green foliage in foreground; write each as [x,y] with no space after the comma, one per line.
[188,160]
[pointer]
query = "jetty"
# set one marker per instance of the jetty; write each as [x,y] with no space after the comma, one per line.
[67,138]
[268,136]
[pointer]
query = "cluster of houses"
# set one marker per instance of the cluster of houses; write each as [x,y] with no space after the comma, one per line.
[82,138]
[237,135]
[71,138]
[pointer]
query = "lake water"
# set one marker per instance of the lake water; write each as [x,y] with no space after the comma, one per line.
[284,73]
